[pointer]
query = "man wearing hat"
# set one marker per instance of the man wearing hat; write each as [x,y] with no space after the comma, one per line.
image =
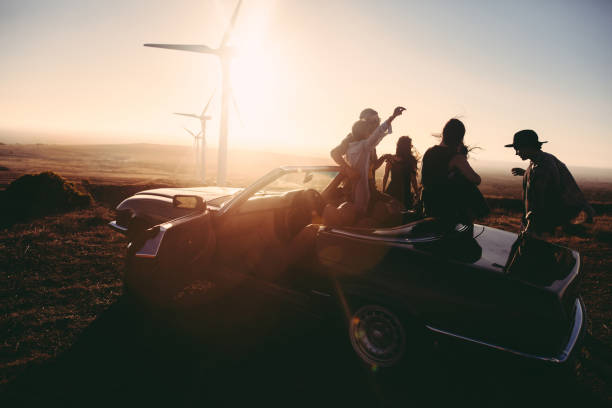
[551,197]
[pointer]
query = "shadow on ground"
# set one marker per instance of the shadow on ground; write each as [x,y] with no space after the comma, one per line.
[125,358]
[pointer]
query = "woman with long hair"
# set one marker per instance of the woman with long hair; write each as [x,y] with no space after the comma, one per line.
[402,166]
[449,183]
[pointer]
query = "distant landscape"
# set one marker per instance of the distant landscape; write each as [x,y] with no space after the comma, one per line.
[150,163]
[141,163]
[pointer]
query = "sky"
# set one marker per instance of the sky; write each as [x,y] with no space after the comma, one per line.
[76,72]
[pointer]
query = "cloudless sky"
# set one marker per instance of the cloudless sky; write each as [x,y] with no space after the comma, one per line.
[76,72]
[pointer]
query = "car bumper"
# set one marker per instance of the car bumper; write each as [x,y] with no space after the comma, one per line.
[575,334]
[578,329]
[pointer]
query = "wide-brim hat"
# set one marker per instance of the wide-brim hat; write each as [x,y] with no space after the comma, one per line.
[525,138]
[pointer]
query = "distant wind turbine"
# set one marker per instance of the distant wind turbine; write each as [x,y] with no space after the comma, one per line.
[225,54]
[196,147]
[201,146]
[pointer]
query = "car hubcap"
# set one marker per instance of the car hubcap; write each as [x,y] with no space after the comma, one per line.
[377,336]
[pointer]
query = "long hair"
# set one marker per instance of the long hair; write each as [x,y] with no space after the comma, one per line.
[406,151]
[453,133]
[452,136]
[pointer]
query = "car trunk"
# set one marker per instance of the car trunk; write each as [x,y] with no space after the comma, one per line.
[542,289]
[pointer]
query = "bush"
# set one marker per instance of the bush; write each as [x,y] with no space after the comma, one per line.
[37,195]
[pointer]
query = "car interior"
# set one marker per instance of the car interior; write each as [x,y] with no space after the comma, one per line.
[272,231]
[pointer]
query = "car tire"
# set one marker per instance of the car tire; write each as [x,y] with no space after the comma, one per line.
[378,335]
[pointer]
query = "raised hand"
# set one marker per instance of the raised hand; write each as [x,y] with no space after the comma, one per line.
[398,111]
[517,171]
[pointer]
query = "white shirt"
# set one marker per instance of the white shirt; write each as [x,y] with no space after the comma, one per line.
[358,157]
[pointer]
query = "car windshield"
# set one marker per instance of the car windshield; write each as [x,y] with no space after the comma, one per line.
[219,201]
[299,180]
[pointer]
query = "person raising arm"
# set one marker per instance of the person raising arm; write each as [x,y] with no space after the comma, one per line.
[358,155]
[370,117]
[337,154]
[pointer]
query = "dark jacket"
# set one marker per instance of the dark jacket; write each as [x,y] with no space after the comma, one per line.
[551,194]
[449,195]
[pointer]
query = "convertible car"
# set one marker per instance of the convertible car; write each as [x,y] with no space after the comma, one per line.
[390,285]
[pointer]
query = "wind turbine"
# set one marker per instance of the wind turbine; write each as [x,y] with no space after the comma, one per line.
[196,147]
[225,54]
[202,139]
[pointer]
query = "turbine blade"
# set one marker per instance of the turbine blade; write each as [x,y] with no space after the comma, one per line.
[191,115]
[190,132]
[230,28]
[206,107]
[200,48]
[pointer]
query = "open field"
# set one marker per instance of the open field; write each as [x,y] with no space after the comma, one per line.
[148,163]
[138,163]
[68,337]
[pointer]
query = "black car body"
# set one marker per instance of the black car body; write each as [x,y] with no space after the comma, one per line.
[388,282]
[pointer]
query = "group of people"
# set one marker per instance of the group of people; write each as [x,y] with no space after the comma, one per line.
[449,185]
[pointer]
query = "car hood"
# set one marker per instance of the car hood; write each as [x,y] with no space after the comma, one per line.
[207,193]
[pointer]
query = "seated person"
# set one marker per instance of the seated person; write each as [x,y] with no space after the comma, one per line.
[364,138]
[384,210]
[338,211]
[450,189]
[368,117]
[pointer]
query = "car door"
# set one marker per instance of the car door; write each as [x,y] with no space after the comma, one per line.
[413,271]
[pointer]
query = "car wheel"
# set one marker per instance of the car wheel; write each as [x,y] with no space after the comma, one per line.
[377,336]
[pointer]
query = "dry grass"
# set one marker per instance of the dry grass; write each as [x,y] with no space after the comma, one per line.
[35,195]
[56,275]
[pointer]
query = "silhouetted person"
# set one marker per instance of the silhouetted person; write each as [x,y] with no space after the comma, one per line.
[450,189]
[403,170]
[364,138]
[340,210]
[551,197]
[368,115]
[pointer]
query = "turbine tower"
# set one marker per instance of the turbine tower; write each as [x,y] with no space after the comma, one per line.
[201,138]
[225,54]
[196,147]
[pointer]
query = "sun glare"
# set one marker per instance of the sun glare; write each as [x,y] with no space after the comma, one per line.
[253,83]
[255,76]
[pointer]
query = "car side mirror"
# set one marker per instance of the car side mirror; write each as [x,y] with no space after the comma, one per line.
[189,202]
